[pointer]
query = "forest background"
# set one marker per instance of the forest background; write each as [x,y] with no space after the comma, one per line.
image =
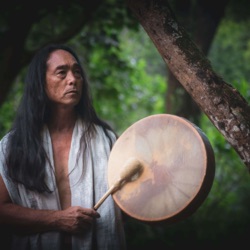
[129,81]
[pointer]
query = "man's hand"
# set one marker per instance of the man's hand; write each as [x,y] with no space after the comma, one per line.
[75,219]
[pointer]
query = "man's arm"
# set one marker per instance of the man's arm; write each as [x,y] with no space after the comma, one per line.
[27,220]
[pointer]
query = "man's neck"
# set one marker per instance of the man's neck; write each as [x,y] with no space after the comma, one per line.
[62,121]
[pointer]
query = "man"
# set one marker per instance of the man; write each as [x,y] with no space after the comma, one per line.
[53,162]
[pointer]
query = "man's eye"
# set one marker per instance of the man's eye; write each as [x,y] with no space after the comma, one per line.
[61,72]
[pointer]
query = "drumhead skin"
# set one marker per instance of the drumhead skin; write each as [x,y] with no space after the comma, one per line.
[178,167]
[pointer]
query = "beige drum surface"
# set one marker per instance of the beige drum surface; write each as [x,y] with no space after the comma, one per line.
[178,168]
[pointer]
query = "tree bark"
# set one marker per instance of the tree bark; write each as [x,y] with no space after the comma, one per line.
[200,19]
[224,106]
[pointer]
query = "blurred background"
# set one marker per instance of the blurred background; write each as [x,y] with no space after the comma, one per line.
[130,81]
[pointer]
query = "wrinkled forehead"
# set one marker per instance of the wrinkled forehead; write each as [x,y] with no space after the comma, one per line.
[59,58]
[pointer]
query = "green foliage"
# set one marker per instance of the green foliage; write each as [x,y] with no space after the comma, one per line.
[6,117]
[124,83]
[229,199]
[8,109]
[226,198]
[232,41]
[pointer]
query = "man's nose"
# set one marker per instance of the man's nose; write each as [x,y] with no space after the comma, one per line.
[71,79]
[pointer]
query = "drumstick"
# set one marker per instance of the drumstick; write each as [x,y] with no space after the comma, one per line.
[132,167]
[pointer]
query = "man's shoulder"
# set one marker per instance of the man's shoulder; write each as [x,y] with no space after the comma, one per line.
[4,139]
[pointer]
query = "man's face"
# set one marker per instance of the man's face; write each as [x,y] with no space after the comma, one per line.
[63,79]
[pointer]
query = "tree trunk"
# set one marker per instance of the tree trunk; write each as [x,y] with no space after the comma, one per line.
[200,19]
[224,106]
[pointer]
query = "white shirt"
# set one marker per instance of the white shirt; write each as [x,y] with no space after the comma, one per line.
[88,183]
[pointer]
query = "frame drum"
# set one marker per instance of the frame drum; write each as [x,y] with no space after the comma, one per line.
[178,169]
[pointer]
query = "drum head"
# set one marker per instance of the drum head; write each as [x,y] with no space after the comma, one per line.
[178,169]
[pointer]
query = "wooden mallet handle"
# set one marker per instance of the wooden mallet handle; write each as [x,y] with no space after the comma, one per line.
[132,167]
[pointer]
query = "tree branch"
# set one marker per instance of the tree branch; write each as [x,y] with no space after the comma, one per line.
[224,106]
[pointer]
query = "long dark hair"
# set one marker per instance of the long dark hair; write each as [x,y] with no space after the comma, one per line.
[26,156]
